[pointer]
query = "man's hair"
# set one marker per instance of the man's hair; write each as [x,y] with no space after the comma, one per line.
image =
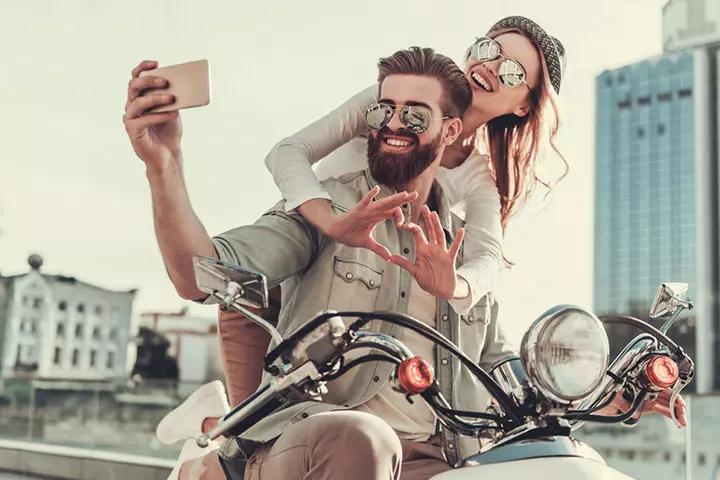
[425,62]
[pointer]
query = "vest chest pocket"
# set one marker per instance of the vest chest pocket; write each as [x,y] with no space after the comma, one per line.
[355,285]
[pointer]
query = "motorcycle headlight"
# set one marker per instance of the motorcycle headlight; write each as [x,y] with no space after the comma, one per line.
[565,353]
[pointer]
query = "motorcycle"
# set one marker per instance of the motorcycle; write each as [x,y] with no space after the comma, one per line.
[560,379]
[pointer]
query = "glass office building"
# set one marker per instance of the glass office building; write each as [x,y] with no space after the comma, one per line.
[656,188]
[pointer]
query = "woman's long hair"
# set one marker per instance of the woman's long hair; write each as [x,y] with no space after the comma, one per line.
[514,144]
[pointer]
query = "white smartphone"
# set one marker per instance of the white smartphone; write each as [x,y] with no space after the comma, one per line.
[188,82]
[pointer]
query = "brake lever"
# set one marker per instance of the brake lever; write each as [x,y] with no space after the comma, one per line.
[679,386]
[687,372]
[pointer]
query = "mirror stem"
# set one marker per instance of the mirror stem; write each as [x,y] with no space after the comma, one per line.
[229,301]
[267,326]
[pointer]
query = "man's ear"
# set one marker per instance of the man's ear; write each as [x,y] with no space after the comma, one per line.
[453,129]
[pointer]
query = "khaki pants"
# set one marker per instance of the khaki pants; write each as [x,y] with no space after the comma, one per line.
[345,445]
[243,344]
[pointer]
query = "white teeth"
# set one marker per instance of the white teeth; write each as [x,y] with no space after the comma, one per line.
[481,81]
[397,143]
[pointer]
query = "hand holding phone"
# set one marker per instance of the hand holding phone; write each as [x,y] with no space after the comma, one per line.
[189,83]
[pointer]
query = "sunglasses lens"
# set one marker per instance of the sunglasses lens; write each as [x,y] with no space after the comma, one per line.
[485,49]
[511,74]
[416,119]
[378,116]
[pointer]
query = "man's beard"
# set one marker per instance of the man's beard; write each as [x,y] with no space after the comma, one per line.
[398,169]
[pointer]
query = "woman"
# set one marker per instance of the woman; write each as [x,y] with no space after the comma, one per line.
[515,71]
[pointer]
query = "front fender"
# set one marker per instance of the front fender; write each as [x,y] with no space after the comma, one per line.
[554,468]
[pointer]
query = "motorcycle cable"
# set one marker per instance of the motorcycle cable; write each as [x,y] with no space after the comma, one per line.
[433,391]
[445,415]
[354,363]
[514,413]
[642,325]
[573,414]
[618,418]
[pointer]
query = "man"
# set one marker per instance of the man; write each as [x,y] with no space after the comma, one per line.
[336,276]
[365,430]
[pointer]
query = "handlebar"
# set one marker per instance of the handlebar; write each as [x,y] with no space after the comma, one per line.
[321,359]
[265,401]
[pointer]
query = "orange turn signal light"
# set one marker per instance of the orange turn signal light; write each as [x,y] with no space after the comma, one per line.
[415,374]
[662,371]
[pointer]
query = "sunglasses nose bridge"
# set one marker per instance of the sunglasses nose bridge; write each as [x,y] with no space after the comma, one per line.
[494,65]
[394,124]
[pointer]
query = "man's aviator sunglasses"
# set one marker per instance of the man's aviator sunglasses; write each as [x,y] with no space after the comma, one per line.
[416,118]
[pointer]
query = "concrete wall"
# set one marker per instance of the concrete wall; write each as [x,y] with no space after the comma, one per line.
[79,464]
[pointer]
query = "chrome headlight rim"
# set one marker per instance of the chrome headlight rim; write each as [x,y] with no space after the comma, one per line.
[528,352]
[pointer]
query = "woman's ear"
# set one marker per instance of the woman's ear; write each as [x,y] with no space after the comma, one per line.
[522,110]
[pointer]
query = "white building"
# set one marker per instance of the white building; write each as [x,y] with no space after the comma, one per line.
[57,327]
[193,344]
[689,24]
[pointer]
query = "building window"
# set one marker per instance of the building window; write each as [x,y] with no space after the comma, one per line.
[33,326]
[647,456]
[81,308]
[96,333]
[641,132]
[78,330]
[60,329]
[62,306]
[624,105]
[56,358]
[608,81]
[661,129]
[37,303]
[25,300]
[644,101]
[76,357]
[627,454]
[98,310]
[701,459]
[664,97]
[111,360]
[93,355]
[621,79]
[685,92]
[113,334]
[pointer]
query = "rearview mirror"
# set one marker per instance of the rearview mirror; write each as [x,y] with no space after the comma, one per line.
[670,298]
[220,279]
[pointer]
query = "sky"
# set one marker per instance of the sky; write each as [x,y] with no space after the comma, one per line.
[72,189]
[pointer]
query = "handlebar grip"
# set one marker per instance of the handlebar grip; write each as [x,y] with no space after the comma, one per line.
[248,413]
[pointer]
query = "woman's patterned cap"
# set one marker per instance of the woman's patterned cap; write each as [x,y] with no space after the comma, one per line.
[553,51]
